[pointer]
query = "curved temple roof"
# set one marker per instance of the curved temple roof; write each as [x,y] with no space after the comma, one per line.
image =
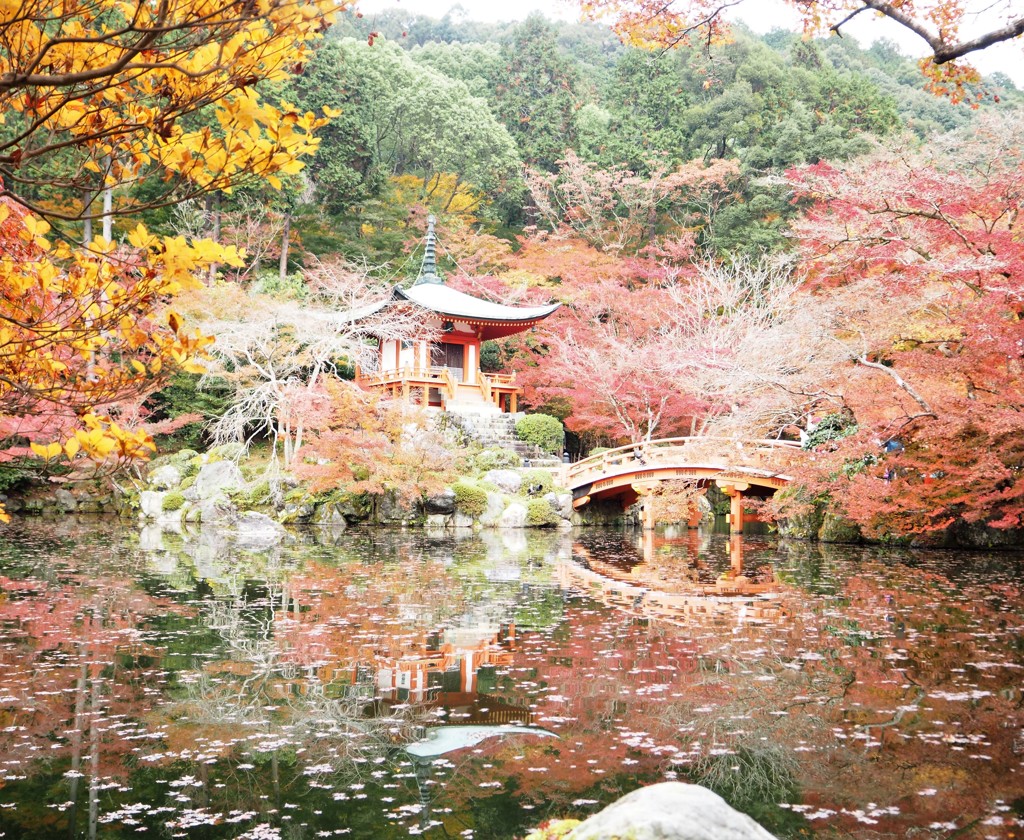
[494,319]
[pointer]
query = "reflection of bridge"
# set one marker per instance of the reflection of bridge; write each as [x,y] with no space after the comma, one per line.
[742,469]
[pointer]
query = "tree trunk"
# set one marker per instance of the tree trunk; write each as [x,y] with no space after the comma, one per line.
[283,267]
[87,220]
[216,230]
[108,202]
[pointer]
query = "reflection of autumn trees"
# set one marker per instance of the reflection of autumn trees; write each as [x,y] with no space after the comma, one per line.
[75,670]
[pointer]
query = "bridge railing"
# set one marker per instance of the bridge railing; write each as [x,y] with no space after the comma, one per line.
[737,452]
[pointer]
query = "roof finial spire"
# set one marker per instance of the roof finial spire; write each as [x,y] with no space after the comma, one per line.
[428,271]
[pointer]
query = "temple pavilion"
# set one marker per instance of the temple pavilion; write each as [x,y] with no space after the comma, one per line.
[442,369]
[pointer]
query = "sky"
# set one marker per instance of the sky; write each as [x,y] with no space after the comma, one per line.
[760,15]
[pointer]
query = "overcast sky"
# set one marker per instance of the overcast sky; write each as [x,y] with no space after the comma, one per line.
[759,15]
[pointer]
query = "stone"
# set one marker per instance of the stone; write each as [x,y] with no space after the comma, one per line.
[215,478]
[839,529]
[463,520]
[492,513]
[514,516]
[670,811]
[227,452]
[151,504]
[297,512]
[508,481]
[565,505]
[217,509]
[257,531]
[64,500]
[443,503]
[330,514]
[165,477]
[438,521]
[392,510]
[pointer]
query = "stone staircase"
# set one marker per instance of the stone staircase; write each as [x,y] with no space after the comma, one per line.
[499,430]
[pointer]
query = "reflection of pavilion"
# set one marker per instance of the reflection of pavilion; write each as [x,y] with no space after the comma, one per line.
[454,676]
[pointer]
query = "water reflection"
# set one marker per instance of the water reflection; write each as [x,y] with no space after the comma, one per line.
[201,684]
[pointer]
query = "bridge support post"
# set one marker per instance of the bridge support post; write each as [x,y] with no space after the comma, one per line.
[734,490]
[645,492]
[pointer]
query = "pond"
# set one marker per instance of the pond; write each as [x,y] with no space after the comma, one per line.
[378,684]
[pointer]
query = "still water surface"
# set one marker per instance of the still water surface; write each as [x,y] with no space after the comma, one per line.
[378,684]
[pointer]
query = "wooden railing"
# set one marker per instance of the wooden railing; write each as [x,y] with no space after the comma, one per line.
[411,377]
[726,451]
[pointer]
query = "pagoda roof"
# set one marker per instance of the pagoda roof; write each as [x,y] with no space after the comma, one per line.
[491,320]
[495,320]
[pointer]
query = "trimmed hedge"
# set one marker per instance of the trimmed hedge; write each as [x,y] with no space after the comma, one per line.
[539,513]
[173,501]
[469,499]
[542,430]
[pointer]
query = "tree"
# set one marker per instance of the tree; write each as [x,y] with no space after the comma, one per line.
[364,443]
[82,332]
[654,23]
[273,354]
[536,96]
[401,118]
[936,371]
[618,210]
[98,94]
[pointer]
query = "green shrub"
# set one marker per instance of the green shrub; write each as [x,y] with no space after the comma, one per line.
[537,481]
[542,430]
[173,501]
[469,499]
[597,450]
[831,427]
[540,514]
[495,458]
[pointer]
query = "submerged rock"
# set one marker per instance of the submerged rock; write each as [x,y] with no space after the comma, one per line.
[670,811]
[257,530]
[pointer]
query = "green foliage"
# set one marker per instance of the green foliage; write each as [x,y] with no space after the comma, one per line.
[542,430]
[495,458]
[469,499]
[831,427]
[540,514]
[536,97]
[13,474]
[539,479]
[291,287]
[173,501]
[256,495]
[490,357]
[182,395]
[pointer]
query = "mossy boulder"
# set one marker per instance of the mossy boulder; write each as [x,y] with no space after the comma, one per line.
[173,501]
[839,529]
[469,499]
[540,514]
[496,458]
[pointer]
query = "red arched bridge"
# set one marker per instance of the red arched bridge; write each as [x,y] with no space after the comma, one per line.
[742,469]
